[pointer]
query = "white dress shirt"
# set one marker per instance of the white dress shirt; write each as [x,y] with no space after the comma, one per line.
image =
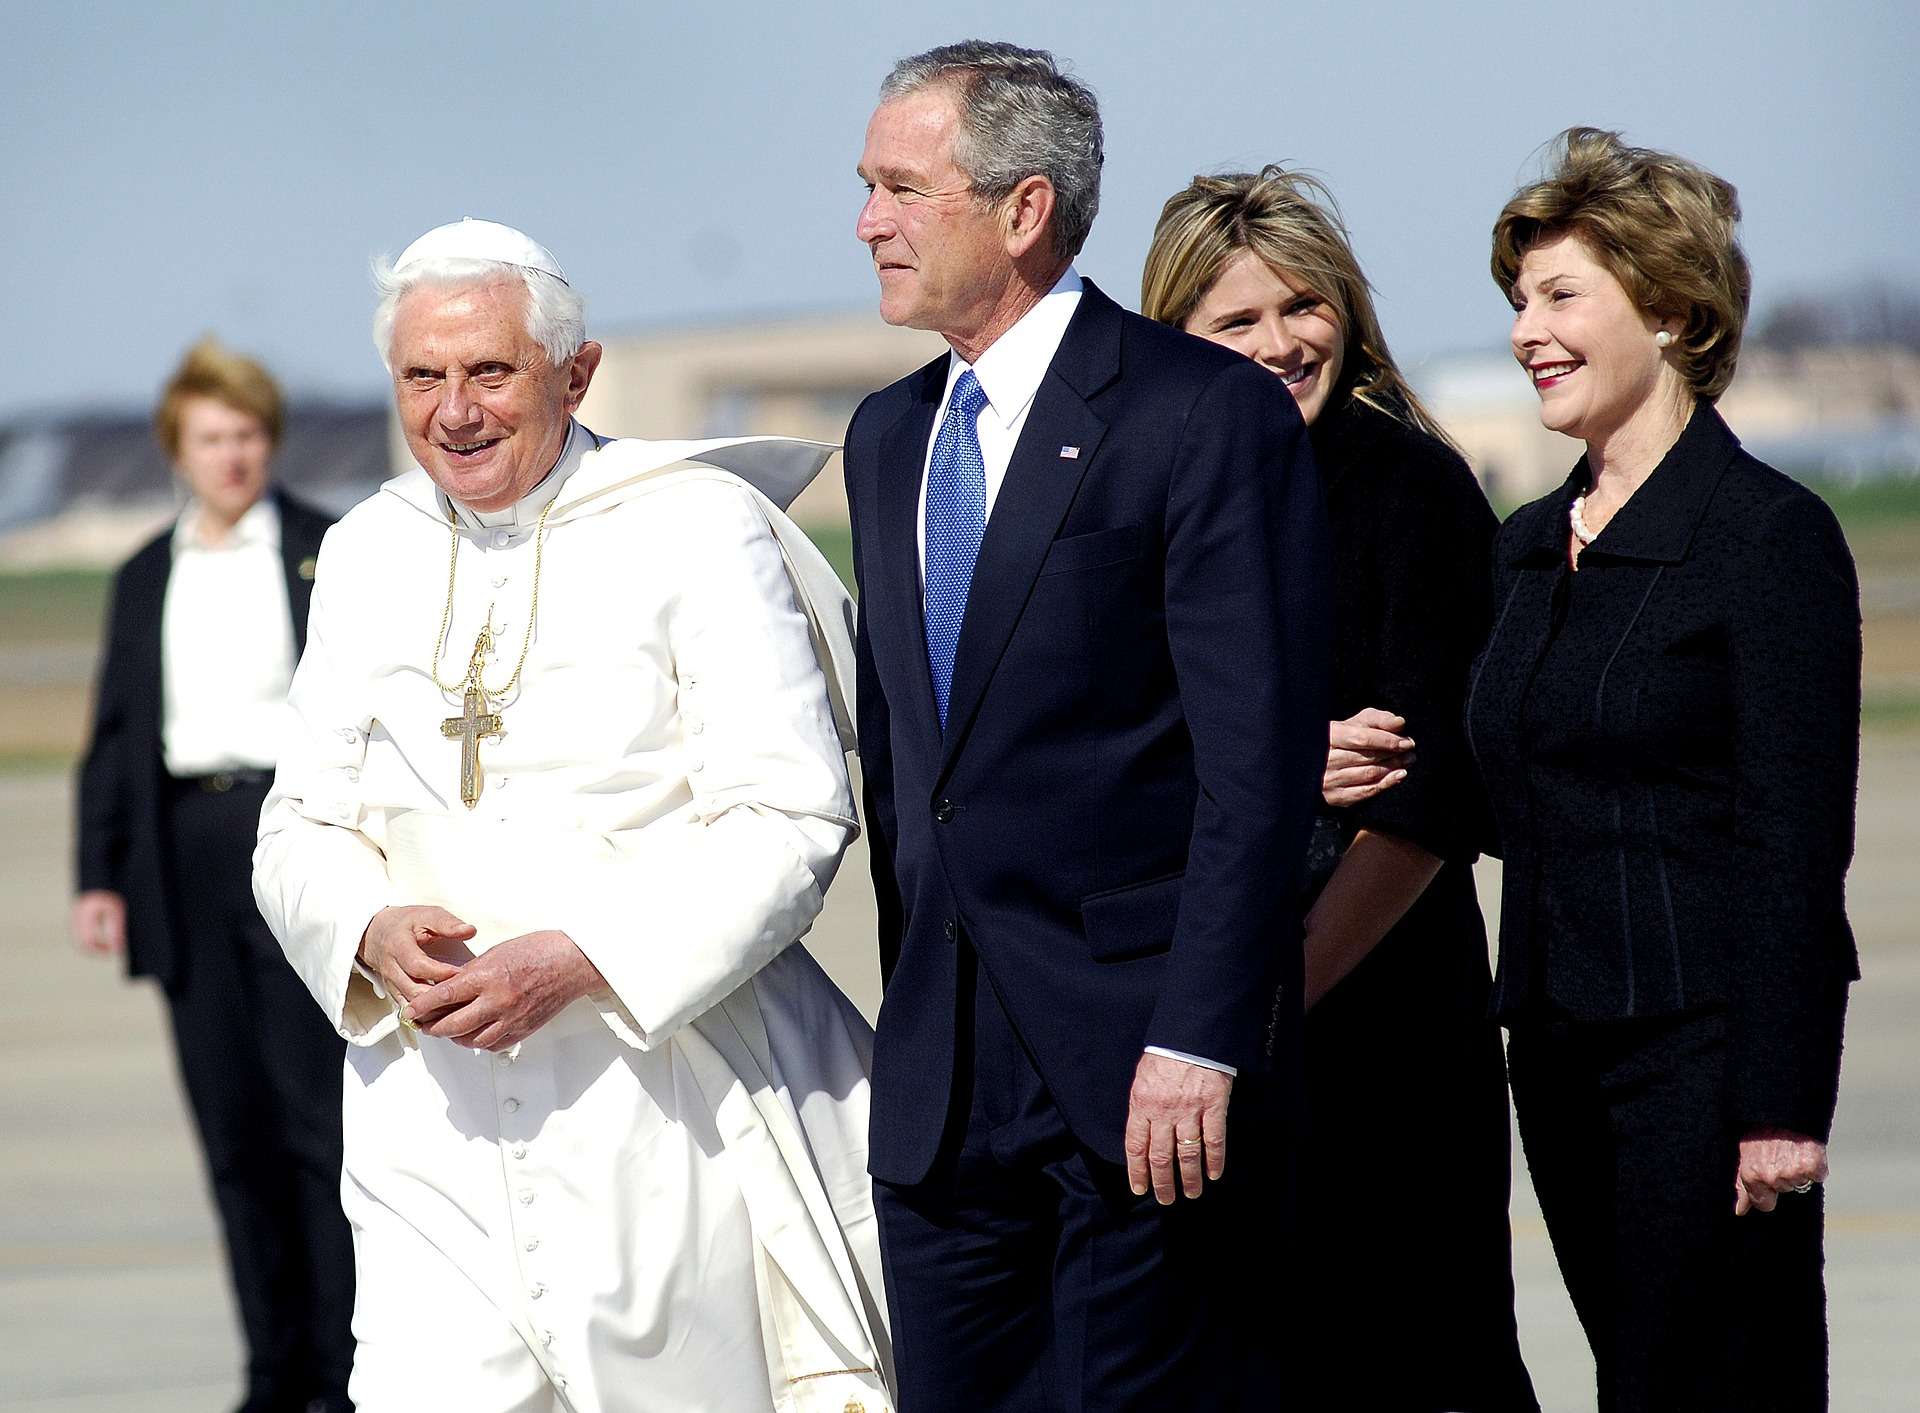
[1010,372]
[226,646]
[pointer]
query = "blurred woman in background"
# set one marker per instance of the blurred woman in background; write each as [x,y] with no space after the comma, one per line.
[1406,1278]
[1667,717]
[207,622]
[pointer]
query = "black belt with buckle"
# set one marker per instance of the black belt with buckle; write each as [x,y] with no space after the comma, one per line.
[221,781]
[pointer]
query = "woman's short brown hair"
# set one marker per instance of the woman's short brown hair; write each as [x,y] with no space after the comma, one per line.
[1661,225]
[212,370]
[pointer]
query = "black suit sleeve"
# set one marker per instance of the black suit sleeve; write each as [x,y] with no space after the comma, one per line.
[1433,559]
[1796,729]
[106,779]
[1247,607]
[876,759]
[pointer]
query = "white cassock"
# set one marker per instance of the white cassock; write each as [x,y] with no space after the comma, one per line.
[659,1200]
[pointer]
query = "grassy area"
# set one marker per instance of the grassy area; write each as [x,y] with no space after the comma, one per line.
[53,606]
[1890,710]
[1881,520]
[836,543]
[1872,504]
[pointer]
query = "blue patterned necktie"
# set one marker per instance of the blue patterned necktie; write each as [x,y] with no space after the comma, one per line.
[956,523]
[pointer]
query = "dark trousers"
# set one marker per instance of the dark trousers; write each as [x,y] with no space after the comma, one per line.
[1688,1308]
[262,1072]
[1024,1274]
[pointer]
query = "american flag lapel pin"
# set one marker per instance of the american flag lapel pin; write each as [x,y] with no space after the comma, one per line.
[1069,453]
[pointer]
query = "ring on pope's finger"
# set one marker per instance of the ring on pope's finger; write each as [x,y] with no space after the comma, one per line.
[1806,1186]
[408,1021]
[1187,1143]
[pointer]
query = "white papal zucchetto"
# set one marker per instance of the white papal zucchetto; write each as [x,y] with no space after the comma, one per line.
[472,239]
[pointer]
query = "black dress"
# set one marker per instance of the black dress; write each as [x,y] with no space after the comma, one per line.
[1404,1177]
[1670,738]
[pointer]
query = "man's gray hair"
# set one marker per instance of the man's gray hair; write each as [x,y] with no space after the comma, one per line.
[556,314]
[1020,116]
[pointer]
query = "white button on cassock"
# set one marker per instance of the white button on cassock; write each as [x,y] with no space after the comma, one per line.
[500,539]
[510,1105]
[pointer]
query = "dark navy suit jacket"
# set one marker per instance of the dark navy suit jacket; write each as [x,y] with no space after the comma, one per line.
[122,842]
[1115,815]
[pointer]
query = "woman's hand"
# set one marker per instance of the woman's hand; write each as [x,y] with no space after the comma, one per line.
[1773,1163]
[1366,754]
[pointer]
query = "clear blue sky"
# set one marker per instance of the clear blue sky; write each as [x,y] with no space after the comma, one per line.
[178,166]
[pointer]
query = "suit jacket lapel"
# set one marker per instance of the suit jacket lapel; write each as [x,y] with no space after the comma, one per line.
[143,639]
[1034,499]
[298,551]
[903,455]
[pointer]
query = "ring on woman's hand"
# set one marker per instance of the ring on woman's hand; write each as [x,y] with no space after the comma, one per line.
[1806,1186]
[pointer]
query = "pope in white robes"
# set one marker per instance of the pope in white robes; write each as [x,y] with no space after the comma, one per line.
[568,782]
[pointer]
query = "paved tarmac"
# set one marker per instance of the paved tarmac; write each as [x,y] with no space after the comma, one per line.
[113,1296]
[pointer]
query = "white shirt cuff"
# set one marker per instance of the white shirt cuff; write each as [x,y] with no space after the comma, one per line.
[1204,1064]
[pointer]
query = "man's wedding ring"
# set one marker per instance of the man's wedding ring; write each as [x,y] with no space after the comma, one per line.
[1187,1142]
[1806,1186]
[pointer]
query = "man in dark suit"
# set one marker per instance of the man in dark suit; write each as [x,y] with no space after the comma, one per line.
[1093,572]
[206,625]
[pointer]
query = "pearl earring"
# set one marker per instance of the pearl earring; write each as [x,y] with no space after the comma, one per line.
[1663,338]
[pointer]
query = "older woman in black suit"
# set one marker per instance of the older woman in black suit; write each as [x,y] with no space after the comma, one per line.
[1667,718]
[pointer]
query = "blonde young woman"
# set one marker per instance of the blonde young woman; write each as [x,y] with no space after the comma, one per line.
[1667,718]
[1403,1179]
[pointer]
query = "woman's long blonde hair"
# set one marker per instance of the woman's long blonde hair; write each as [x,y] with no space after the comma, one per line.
[1291,221]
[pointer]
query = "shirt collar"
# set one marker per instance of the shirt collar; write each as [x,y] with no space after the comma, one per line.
[1012,368]
[524,513]
[259,526]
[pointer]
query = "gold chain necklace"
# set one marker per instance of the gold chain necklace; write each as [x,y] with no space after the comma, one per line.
[477,721]
[484,643]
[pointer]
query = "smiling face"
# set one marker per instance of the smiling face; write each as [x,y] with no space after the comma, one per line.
[940,254]
[222,457]
[1279,323]
[485,413]
[1588,348]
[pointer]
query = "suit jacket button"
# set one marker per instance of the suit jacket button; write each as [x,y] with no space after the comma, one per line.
[953,929]
[943,812]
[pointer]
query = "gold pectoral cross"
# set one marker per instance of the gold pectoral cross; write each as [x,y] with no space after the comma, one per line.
[474,724]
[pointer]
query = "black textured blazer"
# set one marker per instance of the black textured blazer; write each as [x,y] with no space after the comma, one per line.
[1670,738]
[122,844]
[1412,536]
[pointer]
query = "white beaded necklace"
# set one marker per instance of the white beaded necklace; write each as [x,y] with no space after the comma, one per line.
[1579,522]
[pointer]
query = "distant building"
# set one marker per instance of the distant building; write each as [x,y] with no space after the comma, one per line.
[1833,413]
[85,490]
